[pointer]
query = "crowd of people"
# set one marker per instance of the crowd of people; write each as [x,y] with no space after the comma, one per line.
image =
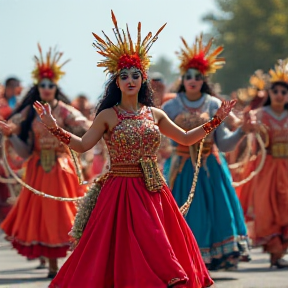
[168,183]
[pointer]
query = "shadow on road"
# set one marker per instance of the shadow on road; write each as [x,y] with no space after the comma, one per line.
[260,270]
[224,279]
[22,280]
[20,271]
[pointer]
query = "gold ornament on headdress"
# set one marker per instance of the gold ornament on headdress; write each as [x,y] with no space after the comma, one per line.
[280,73]
[124,54]
[246,94]
[259,80]
[199,57]
[48,68]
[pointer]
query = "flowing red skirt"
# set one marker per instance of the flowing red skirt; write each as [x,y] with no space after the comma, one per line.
[136,239]
[38,226]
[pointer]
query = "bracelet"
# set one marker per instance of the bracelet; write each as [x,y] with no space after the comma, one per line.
[212,124]
[60,134]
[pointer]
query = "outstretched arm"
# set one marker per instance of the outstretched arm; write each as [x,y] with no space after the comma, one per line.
[22,148]
[187,138]
[81,145]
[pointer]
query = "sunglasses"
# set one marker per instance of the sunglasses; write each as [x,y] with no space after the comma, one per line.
[196,77]
[47,85]
[282,92]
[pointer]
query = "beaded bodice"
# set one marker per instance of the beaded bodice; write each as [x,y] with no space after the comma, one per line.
[135,137]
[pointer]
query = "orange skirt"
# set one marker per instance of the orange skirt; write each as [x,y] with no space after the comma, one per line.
[38,226]
[268,205]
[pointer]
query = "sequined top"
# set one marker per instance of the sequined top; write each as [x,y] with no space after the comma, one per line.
[135,137]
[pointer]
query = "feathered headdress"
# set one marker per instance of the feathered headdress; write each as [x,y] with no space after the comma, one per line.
[199,57]
[259,80]
[280,73]
[124,53]
[49,67]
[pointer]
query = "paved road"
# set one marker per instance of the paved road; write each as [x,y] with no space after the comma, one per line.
[17,272]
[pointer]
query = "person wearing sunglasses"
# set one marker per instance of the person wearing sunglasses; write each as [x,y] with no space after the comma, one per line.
[215,215]
[39,227]
[267,209]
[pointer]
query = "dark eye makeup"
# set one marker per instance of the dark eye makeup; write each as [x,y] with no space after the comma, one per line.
[135,76]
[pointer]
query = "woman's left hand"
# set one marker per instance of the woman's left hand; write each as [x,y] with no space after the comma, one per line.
[225,109]
[44,112]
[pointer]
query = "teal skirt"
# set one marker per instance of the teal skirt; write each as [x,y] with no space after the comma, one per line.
[215,215]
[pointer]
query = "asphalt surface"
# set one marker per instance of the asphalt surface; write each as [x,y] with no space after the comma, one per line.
[17,272]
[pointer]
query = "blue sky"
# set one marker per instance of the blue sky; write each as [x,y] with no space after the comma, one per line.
[69,23]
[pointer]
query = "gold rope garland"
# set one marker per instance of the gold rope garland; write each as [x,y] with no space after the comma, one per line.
[20,181]
[186,206]
[260,166]
[75,159]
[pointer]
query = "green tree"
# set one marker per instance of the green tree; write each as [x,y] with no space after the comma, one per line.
[254,34]
[165,67]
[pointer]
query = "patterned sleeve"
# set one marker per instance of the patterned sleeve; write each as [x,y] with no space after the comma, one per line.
[74,121]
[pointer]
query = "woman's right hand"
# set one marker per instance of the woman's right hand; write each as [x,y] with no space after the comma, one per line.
[44,112]
[7,128]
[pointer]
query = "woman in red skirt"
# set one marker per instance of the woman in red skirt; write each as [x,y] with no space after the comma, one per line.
[135,234]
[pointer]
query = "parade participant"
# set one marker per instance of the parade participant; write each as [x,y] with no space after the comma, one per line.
[136,235]
[82,104]
[158,87]
[242,159]
[267,216]
[8,100]
[220,225]
[39,227]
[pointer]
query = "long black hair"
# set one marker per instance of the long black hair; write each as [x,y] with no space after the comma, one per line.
[273,86]
[204,89]
[112,95]
[32,96]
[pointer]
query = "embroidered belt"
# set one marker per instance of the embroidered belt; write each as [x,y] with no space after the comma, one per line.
[184,150]
[146,168]
[126,170]
[279,150]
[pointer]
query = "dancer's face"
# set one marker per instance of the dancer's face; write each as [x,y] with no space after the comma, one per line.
[279,96]
[193,80]
[129,81]
[47,90]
